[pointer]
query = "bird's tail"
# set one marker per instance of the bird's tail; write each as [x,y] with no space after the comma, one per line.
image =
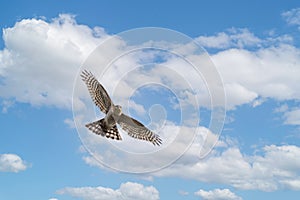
[99,127]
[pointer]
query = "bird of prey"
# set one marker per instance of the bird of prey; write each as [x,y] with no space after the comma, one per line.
[107,127]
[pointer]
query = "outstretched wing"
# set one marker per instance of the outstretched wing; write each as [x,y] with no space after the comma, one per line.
[97,91]
[137,130]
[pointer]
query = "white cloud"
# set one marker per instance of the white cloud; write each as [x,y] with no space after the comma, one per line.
[53,199]
[282,108]
[236,94]
[241,38]
[221,40]
[275,169]
[292,117]
[217,194]
[135,156]
[270,168]
[234,37]
[138,108]
[41,59]
[12,163]
[6,104]
[292,16]
[270,72]
[258,102]
[127,191]
[70,123]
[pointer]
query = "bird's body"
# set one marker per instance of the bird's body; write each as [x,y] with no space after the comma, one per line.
[108,125]
[112,116]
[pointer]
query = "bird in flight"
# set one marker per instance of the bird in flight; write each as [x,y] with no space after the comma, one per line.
[107,127]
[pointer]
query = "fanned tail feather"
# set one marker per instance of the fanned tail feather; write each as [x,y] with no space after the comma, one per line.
[99,128]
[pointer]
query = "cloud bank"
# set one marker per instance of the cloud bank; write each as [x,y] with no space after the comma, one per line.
[41,59]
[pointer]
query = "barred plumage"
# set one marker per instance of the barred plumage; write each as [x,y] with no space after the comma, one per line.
[107,126]
[137,130]
[97,91]
[99,128]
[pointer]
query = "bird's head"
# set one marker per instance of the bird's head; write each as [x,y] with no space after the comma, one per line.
[118,109]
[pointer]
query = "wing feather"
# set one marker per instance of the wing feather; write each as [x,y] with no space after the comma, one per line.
[99,95]
[137,130]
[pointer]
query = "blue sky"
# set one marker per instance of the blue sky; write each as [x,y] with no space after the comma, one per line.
[253,45]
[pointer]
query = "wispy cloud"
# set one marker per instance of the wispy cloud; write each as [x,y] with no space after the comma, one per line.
[70,123]
[290,115]
[183,193]
[232,38]
[292,16]
[6,104]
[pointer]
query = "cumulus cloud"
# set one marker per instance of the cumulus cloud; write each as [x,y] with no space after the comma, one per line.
[270,168]
[217,194]
[276,168]
[127,191]
[12,163]
[41,59]
[266,71]
[140,157]
[270,72]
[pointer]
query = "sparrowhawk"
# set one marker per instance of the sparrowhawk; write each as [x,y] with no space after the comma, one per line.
[108,125]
